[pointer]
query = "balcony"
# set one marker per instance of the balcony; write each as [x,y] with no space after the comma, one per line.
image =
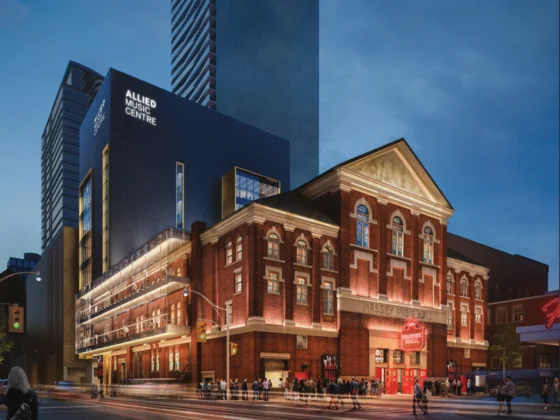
[108,342]
[145,294]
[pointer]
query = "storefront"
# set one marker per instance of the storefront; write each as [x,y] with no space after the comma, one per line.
[275,367]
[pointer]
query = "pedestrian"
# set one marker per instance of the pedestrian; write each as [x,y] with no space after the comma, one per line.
[545,391]
[286,389]
[341,389]
[417,397]
[426,399]
[236,389]
[295,390]
[469,385]
[20,399]
[260,390]
[231,389]
[313,388]
[354,394]
[332,391]
[459,386]
[223,390]
[265,388]
[304,391]
[437,387]
[510,392]
[501,397]
[454,387]
[255,389]
[244,390]
[556,390]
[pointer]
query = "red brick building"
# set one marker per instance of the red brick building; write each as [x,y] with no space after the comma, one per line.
[537,321]
[332,269]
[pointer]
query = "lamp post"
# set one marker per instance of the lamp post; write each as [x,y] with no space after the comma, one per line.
[37,275]
[217,309]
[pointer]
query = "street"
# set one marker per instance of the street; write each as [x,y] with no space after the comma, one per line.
[387,407]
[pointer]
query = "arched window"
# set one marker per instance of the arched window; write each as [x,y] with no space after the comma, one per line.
[153,365]
[157,360]
[177,362]
[158,319]
[142,323]
[362,226]
[178,271]
[178,313]
[478,291]
[328,256]
[464,288]
[328,298]
[428,245]
[173,314]
[301,252]
[398,236]
[239,249]
[171,354]
[273,246]
[449,284]
[229,253]
[137,325]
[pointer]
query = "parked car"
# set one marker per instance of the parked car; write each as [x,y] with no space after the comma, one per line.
[522,389]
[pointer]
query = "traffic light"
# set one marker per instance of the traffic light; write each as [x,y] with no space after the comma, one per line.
[232,349]
[15,319]
[201,331]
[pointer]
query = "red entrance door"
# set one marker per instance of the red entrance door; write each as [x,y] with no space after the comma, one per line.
[408,381]
[422,375]
[391,381]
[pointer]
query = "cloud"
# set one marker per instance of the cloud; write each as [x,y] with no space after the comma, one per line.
[13,12]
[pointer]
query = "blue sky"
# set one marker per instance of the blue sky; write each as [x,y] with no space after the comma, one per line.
[473,86]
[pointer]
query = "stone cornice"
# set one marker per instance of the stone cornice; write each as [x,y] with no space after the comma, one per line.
[257,213]
[462,266]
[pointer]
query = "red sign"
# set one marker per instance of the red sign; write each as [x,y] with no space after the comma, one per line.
[412,335]
[554,314]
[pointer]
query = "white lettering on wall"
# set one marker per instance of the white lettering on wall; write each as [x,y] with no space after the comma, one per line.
[140,107]
[99,118]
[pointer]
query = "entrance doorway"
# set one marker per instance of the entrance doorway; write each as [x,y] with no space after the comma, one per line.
[122,371]
[276,376]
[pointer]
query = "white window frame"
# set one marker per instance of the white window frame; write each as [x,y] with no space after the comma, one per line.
[238,282]
[298,275]
[301,252]
[177,360]
[465,317]
[173,314]
[273,285]
[428,249]
[301,342]
[229,253]
[447,282]
[273,246]
[239,248]
[450,315]
[328,257]
[171,360]
[478,313]
[397,236]
[478,290]
[178,308]
[465,291]
[363,219]
[328,290]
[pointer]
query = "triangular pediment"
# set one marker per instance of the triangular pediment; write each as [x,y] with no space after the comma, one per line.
[397,167]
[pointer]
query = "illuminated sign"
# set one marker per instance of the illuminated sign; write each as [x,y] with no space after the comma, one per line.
[140,107]
[412,335]
[330,367]
[553,315]
[99,118]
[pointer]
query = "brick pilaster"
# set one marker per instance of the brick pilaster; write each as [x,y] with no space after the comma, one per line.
[415,256]
[382,251]
[344,251]
[289,275]
[316,279]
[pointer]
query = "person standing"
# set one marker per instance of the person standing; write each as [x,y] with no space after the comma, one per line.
[417,397]
[545,391]
[20,399]
[223,390]
[556,390]
[354,394]
[295,391]
[501,397]
[469,386]
[459,386]
[332,391]
[265,388]
[510,392]
[255,389]
[312,388]
[286,389]
[244,390]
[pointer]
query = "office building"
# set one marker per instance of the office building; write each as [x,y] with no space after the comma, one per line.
[256,61]
[153,160]
[60,150]
[27,263]
[353,262]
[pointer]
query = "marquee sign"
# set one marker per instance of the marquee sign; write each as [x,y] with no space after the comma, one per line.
[412,335]
[140,107]
[553,315]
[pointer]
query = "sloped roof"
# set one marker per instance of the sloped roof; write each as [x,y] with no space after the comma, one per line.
[293,202]
[451,253]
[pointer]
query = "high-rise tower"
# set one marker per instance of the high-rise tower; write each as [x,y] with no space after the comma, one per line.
[256,61]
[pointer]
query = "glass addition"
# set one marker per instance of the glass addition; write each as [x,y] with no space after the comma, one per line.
[250,187]
[179,194]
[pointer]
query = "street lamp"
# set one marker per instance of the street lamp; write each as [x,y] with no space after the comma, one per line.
[217,309]
[37,275]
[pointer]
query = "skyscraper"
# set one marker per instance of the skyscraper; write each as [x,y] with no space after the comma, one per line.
[60,149]
[256,61]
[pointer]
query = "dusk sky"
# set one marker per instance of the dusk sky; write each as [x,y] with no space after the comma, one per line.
[473,86]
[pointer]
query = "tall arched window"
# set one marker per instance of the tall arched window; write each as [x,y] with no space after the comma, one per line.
[239,249]
[301,252]
[158,319]
[362,226]
[398,236]
[428,245]
[173,314]
[142,323]
[449,284]
[478,291]
[178,313]
[273,246]
[229,253]
[328,256]
[464,288]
